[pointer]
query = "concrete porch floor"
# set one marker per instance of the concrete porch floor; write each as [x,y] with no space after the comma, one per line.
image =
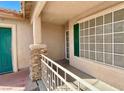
[14,81]
[65,64]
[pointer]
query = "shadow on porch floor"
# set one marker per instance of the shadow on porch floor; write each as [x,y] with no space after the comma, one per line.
[65,64]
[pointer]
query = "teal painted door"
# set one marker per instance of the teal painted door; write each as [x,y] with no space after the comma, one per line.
[5,50]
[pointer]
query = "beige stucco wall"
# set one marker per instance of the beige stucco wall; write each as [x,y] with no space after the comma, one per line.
[112,75]
[53,37]
[24,39]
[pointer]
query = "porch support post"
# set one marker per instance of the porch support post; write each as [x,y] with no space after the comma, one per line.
[37,30]
[35,64]
[37,48]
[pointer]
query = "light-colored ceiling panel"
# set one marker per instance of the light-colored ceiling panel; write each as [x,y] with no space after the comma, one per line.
[59,12]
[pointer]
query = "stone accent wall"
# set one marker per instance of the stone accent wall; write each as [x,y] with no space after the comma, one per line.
[35,64]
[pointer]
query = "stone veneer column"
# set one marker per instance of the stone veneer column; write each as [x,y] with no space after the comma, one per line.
[35,64]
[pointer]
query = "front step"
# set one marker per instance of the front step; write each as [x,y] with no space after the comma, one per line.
[41,85]
[102,86]
[31,85]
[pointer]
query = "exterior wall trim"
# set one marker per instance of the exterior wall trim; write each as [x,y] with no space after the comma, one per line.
[14,44]
[66,45]
[102,12]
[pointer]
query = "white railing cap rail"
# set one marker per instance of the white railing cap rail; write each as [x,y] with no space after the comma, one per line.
[85,83]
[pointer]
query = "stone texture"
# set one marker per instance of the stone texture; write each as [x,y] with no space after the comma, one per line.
[35,64]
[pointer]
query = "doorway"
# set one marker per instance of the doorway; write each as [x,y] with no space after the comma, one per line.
[5,50]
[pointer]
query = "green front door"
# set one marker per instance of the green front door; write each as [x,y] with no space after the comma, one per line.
[5,50]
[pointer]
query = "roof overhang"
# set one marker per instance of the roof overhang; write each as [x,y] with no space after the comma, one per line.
[37,9]
[9,14]
[24,14]
[27,8]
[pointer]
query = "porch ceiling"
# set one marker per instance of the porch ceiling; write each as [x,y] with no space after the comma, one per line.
[59,12]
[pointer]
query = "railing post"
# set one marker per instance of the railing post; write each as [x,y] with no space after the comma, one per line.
[78,86]
[57,77]
[35,64]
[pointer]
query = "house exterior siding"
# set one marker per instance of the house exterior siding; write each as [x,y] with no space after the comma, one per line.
[23,30]
[111,74]
[54,37]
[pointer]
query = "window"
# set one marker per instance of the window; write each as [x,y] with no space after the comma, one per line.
[102,39]
[67,44]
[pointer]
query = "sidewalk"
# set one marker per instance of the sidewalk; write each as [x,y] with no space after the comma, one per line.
[14,81]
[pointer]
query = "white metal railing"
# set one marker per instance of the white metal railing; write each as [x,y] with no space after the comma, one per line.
[56,77]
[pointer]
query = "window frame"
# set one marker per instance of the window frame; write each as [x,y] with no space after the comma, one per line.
[104,24]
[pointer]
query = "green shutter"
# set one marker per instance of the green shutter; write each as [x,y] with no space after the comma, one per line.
[76,40]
